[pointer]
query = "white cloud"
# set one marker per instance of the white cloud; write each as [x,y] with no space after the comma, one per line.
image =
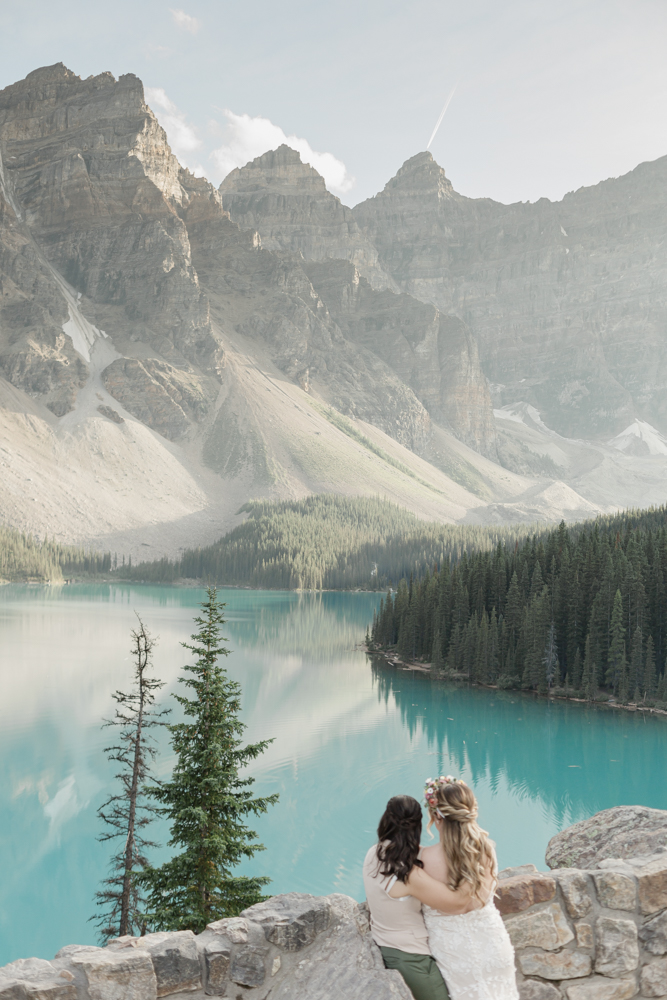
[182,137]
[248,137]
[184,21]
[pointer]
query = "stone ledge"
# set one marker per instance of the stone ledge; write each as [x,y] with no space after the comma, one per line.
[579,935]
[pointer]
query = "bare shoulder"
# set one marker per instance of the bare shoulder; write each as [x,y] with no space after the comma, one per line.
[435,863]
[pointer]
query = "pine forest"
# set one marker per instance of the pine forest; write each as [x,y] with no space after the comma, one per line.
[581,609]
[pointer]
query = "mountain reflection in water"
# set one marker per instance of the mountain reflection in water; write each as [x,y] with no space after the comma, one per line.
[348,734]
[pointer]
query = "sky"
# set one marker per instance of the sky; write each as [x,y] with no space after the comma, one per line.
[548,95]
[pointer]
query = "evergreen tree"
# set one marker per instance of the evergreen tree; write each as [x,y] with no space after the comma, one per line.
[494,649]
[550,660]
[649,670]
[616,657]
[589,673]
[437,659]
[206,800]
[636,673]
[576,670]
[623,683]
[662,688]
[127,813]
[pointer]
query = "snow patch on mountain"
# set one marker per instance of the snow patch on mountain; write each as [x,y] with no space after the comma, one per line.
[640,438]
[522,413]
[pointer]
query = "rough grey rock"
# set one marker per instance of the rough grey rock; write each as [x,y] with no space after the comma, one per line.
[110,413]
[161,396]
[654,979]
[35,979]
[615,890]
[621,832]
[654,934]
[247,967]
[516,870]
[617,946]
[576,887]
[554,965]
[584,932]
[533,989]
[546,928]
[175,960]
[215,952]
[598,988]
[110,974]
[291,921]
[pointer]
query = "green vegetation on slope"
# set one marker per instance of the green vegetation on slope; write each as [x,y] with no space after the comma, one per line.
[326,542]
[344,425]
[582,608]
[25,559]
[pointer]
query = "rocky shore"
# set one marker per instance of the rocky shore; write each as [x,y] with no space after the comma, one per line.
[580,933]
[560,694]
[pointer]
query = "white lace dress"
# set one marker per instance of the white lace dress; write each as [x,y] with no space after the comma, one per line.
[473,952]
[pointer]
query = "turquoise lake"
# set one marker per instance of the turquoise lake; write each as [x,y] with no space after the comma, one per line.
[347,736]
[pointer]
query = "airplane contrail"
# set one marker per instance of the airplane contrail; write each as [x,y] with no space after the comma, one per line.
[442,115]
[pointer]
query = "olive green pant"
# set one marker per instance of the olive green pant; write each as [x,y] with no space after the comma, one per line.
[420,972]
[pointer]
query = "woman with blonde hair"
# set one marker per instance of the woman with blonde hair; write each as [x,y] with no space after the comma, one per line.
[472,947]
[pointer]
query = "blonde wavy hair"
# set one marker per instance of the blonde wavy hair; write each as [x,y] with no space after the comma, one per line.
[470,856]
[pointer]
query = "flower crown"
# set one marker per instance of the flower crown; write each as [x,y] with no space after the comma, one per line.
[431,787]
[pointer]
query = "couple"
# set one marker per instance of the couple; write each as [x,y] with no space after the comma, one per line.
[432,909]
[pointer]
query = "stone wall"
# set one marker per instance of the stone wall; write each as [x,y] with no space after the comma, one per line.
[598,934]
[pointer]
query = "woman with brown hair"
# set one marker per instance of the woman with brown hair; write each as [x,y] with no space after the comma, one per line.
[396,886]
[473,949]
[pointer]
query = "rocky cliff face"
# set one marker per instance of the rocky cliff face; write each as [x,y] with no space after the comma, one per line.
[98,189]
[287,202]
[433,353]
[567,300]
[267,297]
[104,204]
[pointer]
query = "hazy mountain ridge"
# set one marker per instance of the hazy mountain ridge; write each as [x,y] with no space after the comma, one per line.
[568,300]
[160,363]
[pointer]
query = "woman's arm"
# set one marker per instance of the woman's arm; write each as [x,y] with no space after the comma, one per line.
[435,894]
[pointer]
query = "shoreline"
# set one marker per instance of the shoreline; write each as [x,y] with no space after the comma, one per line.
[393,660]
[186,583]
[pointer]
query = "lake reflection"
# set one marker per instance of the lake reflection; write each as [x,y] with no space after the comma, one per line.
[347,735]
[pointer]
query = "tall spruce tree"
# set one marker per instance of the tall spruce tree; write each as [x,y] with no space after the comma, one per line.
[437,658]
[206,800]
[589,673]
[616,664]
[650,681]
[127,813]
[636,673]
[550,659]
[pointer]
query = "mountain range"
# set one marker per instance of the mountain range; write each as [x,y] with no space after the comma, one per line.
[169,350]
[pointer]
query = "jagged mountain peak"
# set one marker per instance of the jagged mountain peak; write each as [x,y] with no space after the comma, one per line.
[58,71]
[280,169]
[420,176]
[51,85]
[287,202]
